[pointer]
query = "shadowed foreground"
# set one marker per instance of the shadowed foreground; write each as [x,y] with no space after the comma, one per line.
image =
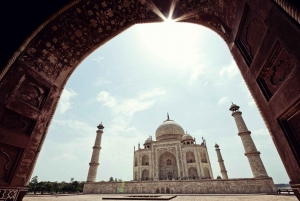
[253,197]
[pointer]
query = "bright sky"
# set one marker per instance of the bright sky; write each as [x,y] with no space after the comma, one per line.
[130,84]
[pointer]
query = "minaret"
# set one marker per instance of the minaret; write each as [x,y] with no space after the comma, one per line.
[221,162]
[95,157]
[257,166]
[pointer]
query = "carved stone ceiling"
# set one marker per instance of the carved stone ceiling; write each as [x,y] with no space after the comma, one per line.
[71,36]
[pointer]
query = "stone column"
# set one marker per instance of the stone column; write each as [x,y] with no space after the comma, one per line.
[95,156]
[257,166]
[221,163]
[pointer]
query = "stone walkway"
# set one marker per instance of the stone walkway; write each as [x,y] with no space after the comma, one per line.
[97,197]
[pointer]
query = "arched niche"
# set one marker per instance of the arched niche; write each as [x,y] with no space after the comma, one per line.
[135,162]
[190,157]
[203,157]
[145,174]
[193,174]
[206,173]
[145,160]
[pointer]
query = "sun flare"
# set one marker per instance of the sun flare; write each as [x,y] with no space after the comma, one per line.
[169,20]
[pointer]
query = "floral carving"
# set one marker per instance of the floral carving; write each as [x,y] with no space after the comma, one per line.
[250,34]
[278,67]
[31,93]
[16,122]
[8,156]
[70,37]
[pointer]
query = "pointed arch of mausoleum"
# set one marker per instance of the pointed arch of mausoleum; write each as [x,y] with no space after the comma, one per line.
[193,173]
[261,37]
[145,160]
[167,166]
[206,173]
[145,174]
[190,157]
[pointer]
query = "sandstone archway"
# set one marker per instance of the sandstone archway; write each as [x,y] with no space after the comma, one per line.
[262,38]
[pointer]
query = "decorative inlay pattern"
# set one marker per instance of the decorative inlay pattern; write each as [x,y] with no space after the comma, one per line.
[31,92]
[66,40]
[251,32]
[16,122]
[9,194]
[278,67]
[80,29]
[8,159]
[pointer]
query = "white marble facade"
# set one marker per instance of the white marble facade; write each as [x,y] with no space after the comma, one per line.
[173,156]
[175,163]
[211,186]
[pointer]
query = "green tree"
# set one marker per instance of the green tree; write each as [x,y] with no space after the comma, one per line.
[49,187]
[56,187]
[65,187]
[33,184]
[80,186]
[75,185]
[41,186]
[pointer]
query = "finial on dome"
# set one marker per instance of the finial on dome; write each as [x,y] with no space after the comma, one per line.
[168,116]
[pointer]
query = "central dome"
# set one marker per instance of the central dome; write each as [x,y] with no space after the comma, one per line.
[169,130]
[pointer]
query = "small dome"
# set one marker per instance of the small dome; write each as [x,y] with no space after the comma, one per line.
[216,145]
[148,140]
[169,129]
[187,137]
[234,107]
[100,126]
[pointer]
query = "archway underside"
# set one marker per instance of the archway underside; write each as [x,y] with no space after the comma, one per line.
[263,40]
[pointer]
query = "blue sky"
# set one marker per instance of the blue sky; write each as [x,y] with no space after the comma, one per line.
[131,82]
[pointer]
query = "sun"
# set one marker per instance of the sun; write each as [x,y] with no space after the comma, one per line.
[169,20]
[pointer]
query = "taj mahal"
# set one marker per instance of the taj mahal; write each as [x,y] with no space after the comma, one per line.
[175,163]
[173,156]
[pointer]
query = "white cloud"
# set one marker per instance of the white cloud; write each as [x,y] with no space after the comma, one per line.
[223,100]
[98,59]
[196,72]
[65,156]
[107,99]
[80,127]
[230,70]
[152,93]
[261,132]
[101,81]
[65,100]
[124,109]
[251,103]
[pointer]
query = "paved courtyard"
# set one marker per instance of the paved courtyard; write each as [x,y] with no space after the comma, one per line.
[94,197]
